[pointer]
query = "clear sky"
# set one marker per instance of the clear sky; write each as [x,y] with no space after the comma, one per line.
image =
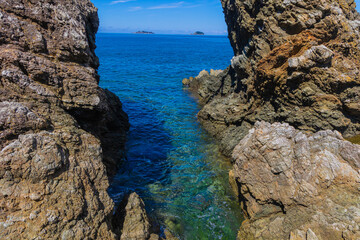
[163,16]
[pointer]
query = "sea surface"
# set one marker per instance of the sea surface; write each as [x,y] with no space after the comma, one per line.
[171,162]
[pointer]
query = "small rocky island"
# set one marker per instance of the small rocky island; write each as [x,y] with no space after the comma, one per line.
[198,33]
[281,111]
[144,32]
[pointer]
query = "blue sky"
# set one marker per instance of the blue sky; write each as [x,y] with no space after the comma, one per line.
[163,16]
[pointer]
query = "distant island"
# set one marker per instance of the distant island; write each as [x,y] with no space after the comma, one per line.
[144,32]
[198,33]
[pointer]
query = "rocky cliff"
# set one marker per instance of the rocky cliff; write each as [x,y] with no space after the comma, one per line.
[61,135]
[297,186]
[295,62]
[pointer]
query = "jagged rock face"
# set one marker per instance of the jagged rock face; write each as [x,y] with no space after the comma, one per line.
[297,186]
[295,61]
[60,133]
[47,57]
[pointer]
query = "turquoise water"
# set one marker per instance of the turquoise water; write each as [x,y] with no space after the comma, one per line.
[171,162]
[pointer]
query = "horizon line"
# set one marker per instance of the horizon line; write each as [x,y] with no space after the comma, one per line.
[154,33]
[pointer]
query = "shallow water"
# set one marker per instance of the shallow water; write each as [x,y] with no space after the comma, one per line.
[171,162]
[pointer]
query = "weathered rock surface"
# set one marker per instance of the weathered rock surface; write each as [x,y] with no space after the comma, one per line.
[297,186]
[61,135]
[295,62]
[132,220]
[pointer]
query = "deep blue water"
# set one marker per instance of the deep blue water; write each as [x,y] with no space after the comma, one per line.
[171,162]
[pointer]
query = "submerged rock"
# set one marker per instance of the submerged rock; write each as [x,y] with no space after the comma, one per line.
[297,186]
[295,62]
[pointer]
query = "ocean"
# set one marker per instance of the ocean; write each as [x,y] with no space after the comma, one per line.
[171,162]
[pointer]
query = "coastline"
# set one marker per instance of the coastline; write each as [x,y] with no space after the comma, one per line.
[271,81]
[279,111]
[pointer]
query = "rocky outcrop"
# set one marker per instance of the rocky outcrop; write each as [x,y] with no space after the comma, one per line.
[297,186]
[132,220]
[48,63]
[204,85]
[61,135]
[295,62]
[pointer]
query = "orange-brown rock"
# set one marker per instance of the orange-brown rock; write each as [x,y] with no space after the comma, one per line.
[295,62]
[132,220]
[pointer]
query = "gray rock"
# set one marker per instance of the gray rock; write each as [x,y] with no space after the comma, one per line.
[317,55]
[310,235]
[297,183]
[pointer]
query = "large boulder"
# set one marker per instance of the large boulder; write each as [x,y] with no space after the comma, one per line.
[293,185]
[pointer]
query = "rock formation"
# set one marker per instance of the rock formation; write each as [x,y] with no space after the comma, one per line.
[295,61]
[297,186]
[132,220]
[61,135]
